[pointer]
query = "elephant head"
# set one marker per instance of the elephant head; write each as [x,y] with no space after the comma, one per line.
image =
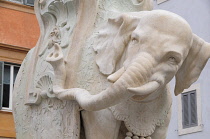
[143,52]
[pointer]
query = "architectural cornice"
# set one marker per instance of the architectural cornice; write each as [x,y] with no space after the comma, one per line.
[13,47]
[11,53]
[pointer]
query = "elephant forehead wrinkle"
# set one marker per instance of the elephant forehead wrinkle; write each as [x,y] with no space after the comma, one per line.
[143,30]
[180,46]
[172,43]
[174,50]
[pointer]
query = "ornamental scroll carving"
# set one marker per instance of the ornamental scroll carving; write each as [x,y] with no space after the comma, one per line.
[58,19]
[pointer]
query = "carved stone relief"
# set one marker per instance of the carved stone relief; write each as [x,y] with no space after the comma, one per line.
[108,62]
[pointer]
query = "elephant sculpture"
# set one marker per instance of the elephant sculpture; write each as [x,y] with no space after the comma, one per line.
[140,53]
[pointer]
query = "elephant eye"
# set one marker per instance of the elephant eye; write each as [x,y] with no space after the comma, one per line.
[134,40]
[172,59]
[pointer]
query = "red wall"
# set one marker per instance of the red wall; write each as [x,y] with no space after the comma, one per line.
[18,28]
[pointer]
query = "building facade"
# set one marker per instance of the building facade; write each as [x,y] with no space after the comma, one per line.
[19,33]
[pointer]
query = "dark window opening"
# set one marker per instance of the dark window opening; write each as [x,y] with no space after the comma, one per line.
[8,73]
[189,109]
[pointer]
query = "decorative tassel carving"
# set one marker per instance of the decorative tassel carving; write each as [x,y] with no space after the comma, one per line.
[130,135]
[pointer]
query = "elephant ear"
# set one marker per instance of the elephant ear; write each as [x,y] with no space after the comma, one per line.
[193,65]
[112,40]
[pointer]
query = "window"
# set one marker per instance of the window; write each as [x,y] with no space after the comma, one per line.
[8,73]
[189,111]
[29,2]
[25,2]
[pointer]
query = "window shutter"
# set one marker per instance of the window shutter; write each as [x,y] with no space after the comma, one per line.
[29,2]
[193,105]
[189,109]
[185,113]
[1,82]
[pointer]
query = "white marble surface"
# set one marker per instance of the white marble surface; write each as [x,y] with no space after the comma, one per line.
[82,43]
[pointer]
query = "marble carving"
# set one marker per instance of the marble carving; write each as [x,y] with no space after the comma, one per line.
[112,67]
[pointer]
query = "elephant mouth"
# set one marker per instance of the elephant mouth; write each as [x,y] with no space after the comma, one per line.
[142,92]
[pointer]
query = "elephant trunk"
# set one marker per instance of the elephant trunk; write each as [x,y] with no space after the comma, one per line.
[137,74]
[109,97]
[57,61]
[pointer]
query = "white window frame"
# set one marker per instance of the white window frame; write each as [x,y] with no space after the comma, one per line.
[161,1]
[11,87]
[15,1]
[24,2]
[198,128]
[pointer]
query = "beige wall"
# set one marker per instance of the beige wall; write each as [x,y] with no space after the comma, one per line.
[19,27]
[6,124]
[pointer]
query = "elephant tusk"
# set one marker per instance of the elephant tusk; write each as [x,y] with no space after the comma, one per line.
[115,76]
[145,89]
